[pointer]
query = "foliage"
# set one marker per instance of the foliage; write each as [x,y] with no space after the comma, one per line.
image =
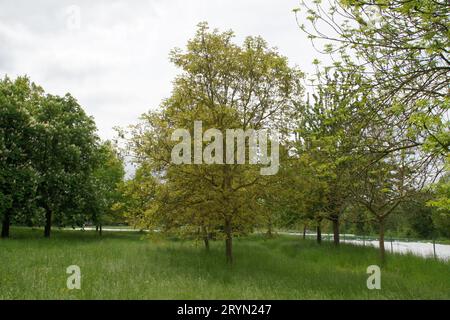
[52,166]
[225,86]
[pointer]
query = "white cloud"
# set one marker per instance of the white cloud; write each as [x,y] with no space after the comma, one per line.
[116,64]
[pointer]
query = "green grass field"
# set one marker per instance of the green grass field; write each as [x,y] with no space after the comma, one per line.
[126,265]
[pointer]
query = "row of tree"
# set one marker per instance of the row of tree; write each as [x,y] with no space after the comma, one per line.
[363,138]
[369,137]
[53,167]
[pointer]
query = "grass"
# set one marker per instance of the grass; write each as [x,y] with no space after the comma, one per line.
[126,265]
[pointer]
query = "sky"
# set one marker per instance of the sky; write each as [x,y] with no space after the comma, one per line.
[112,55]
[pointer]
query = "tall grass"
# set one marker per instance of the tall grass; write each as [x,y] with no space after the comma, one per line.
[122,265]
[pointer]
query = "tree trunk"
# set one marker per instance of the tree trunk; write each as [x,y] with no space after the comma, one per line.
[319,234]
[227,180]
[228,242]
[304,232]
[100,230]
[48,222]
[381,242]
[205,238]
[206,241]
[269,231]
[5,225]
[96,228]
[336,231]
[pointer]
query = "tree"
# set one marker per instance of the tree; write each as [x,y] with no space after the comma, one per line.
[137,196]
[49,151]
[103,186]
[301,196]
[18,178]
[225,86]
[402,50]
[329,131]
[399,49]
[383,185]
[64,146]
[441,204]
[415,217]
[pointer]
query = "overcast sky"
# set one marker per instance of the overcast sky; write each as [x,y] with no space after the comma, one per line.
[114,58]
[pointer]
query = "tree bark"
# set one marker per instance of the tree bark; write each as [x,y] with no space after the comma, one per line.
[205,238]
[381,242]
[336,231]
[269,231]
[304,232]
[228,242]
[48,222]
[319,234]
[5,225]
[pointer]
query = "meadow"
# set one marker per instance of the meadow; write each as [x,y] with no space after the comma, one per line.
[129,265]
